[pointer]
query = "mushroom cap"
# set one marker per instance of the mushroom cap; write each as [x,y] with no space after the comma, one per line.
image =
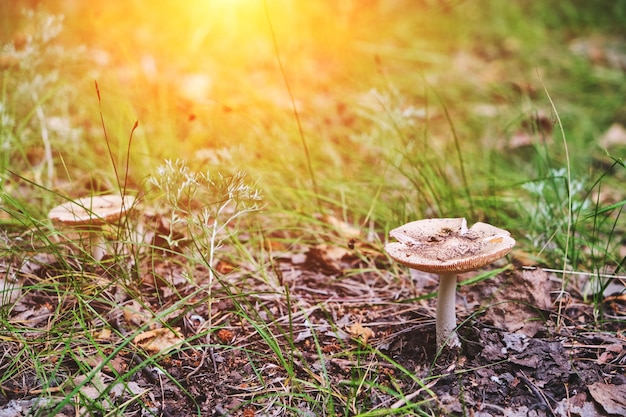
[92,211]
[447,245]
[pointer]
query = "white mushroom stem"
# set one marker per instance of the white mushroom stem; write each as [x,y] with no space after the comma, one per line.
[98,244]
[92,238]
[446,311]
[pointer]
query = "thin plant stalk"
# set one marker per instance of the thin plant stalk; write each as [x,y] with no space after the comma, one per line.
[559,319]
[45,138]
[296,115]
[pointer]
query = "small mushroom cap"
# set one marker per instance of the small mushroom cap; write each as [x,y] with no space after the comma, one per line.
[92,211]
[447,245]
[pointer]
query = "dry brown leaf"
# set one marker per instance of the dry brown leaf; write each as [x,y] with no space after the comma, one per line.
[363,334]
[225,336]
[165,275]
[10,291]
[94,388]
[517,308]
[611,397]
[605,357]
[159,340]
[31,316]
[525,258]
[577,405]
[224,267]
[343,229]
[604,51]
[135,314]
[608,194]
[328,257]
[118,364]
[104,334]
[610,352]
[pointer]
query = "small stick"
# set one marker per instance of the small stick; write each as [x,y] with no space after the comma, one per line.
[401,402]
[536,391]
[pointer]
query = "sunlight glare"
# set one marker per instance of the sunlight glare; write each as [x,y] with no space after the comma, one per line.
[226,20]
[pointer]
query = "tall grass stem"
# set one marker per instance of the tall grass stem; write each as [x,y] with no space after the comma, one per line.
[296,115]
[569,197]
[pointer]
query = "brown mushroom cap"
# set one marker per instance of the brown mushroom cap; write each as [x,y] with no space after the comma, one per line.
[92,211]
[447,245]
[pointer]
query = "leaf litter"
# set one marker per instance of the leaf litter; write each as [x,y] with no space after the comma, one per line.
[347,313]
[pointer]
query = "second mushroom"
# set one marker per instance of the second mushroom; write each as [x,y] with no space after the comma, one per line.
[448,247]
[89,214]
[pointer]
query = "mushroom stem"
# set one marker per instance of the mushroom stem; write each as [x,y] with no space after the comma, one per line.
[98,244]
[92,240]
[446,311]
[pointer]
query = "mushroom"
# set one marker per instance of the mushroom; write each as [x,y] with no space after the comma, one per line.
[90,214]
[447,247]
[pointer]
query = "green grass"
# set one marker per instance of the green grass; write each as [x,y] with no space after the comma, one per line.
[389,129]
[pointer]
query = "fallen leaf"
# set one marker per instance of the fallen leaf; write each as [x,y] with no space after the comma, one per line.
[104,334]
[576,406]
[610,352]
[525,258]
[130,387]
[612,398]
[135,314]
[93,388]
[32,266]
[225,336]
[159,340]
[516,342]
[10,291]
[601,51]
[536,127]
[517,306]
[298,258]
[328,258]
[302,336]
[31,316]
[224,267]
[343,229]
[361,333]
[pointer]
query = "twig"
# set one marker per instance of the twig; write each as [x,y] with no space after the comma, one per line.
[401,402]
[197,368]
[581,273]
[145,370]
[536,391]
[569,413]
[26,391]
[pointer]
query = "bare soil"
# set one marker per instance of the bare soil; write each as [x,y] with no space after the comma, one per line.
[321,320]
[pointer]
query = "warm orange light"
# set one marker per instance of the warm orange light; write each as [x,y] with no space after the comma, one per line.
[225,19]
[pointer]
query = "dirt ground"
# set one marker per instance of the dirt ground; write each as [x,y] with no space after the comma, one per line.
[527,349]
